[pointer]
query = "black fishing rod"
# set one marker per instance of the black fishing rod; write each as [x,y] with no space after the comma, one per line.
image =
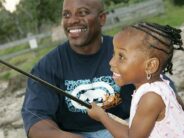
[58,90]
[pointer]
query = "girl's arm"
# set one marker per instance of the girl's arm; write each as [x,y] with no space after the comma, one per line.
[150,109]
[115,127]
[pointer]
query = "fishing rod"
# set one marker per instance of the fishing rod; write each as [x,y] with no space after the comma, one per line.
[58,90]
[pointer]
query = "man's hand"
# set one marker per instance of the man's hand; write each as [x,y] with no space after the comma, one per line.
[111,101]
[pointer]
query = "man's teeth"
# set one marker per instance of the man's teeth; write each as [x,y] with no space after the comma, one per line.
[77,30]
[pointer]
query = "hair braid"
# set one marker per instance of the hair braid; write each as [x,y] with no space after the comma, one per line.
[167,36]
[168,66]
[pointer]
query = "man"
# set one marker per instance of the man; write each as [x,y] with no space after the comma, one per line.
[80,66]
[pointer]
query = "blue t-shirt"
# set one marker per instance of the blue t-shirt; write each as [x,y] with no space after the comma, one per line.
[87,77]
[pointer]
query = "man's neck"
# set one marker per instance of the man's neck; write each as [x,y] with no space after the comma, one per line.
[89,49]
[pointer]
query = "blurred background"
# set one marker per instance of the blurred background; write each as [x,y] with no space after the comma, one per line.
[31,28]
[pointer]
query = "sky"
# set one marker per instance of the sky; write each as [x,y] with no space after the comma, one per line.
[11,5]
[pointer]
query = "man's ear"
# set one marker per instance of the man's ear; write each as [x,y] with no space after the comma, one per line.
[152,65]
[102,18]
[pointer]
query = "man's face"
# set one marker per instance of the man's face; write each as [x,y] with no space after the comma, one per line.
[82,21]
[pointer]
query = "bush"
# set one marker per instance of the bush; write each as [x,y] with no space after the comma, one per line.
[178,2]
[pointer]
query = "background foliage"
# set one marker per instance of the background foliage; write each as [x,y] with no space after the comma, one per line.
[36,16]
[31,16]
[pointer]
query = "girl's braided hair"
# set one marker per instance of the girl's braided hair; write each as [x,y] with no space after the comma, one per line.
[168,36]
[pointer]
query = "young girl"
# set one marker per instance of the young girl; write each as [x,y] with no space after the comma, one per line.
[143,52]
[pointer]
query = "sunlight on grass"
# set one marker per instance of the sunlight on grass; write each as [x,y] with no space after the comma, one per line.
[174,15]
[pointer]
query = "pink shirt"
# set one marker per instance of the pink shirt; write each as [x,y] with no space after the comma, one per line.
[172,125]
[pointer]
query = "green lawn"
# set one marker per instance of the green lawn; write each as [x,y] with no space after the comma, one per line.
[174,16]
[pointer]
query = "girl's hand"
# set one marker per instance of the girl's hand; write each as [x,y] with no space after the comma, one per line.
[96,112]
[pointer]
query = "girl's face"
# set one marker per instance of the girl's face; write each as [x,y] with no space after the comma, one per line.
[128,62]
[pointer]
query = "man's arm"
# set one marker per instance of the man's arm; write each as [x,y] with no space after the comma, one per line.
[180,101]
[49,129]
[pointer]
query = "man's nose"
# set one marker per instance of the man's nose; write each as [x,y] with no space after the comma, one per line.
[73,19]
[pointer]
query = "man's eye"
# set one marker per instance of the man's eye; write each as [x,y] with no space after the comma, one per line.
[83,13]
[66,15]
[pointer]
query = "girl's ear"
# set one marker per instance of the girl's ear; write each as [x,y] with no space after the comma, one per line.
[152,65]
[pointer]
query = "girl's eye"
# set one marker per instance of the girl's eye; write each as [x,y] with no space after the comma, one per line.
[121,57]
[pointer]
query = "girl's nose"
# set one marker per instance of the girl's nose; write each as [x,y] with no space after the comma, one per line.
[112,61]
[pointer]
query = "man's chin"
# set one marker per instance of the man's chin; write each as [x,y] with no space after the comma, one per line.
[76,43]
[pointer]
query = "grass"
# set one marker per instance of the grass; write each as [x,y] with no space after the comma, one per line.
[12,50]
[26,61]
[173,16]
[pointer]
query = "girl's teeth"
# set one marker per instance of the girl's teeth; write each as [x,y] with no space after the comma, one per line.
[116,74]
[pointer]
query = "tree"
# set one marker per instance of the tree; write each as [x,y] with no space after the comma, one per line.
[40,12]
[109,2]
[8,29]
[178,2]
[30,17]
[119,1]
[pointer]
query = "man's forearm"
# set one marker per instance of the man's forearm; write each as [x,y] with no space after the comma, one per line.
[48,129]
